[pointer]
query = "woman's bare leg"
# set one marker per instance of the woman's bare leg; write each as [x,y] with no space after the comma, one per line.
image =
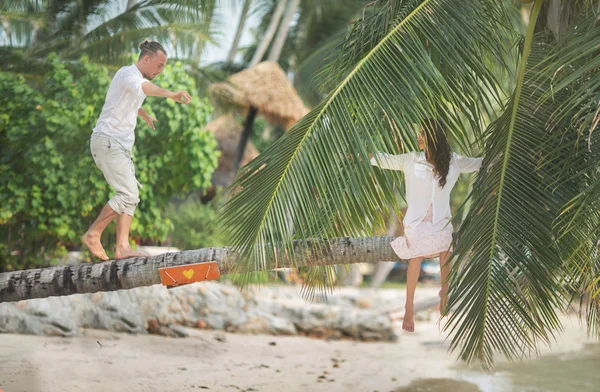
[444,272]
[412,277]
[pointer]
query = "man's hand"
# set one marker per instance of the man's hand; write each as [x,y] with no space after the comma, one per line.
[146,117]
[181,97]
[149,120]
[153,90]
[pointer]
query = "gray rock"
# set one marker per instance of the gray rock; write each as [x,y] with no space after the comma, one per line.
[270,310]
[47,316]
[179,331]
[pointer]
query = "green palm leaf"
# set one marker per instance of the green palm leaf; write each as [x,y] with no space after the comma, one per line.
[505,294]
[19,20]
[315,182]
[575,71]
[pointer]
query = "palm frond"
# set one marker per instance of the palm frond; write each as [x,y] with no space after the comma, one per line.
[73,21]
[182,41]
[577,75]
[473,77]
[198,9]
[114,39]
[505,292]
[316,183]
[304,83]
[574,69]
[19,21]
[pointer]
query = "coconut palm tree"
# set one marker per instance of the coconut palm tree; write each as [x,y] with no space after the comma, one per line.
[528,246]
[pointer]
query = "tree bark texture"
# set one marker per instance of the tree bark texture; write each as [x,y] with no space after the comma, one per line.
[382,270]
[143,271]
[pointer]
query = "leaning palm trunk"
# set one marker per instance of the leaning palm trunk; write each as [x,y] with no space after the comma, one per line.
[266,39]
[143,271]
[283,31]
[238,33]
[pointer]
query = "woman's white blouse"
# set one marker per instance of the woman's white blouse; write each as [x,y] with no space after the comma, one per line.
[422,188]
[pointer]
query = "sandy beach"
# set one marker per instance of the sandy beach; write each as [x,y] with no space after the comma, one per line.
[101,361]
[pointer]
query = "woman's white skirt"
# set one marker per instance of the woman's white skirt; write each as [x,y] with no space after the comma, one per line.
[426,240]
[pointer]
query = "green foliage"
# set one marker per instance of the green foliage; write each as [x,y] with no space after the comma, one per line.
[194,225]
[52,190]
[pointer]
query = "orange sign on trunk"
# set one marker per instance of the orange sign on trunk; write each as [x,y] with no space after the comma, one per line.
[190,273]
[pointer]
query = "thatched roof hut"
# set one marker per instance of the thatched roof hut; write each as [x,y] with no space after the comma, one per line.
[266,88]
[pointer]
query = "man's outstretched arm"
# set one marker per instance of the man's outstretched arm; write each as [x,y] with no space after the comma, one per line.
[153,90]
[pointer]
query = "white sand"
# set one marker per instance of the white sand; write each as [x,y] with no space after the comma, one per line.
[105,361]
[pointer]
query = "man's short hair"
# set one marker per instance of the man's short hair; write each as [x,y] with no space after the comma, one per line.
[150,48]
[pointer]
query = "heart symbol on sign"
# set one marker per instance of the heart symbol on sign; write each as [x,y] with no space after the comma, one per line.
[189,273]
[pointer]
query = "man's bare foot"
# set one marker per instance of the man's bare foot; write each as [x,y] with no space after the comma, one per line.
[443,300]
[125,253]
[92,242]
[408,324]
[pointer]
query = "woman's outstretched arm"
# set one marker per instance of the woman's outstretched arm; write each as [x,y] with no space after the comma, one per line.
[389,161]
[468,165]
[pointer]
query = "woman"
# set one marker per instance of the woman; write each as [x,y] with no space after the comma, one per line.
[429,177]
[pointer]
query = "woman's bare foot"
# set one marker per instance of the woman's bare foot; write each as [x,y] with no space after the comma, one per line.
[408,324]
[92,242]
[443,300]
[125,253]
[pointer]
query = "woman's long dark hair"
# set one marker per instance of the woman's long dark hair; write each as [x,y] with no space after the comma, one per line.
[438,148]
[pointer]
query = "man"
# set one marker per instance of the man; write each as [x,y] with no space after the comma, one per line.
[113,138]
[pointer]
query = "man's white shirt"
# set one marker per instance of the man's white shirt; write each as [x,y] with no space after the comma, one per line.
[123,100]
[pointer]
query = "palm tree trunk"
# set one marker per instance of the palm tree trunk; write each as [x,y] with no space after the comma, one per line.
[238,33]
[266,40]
[382,271]
[283,31]
[143,271]
[131,3]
